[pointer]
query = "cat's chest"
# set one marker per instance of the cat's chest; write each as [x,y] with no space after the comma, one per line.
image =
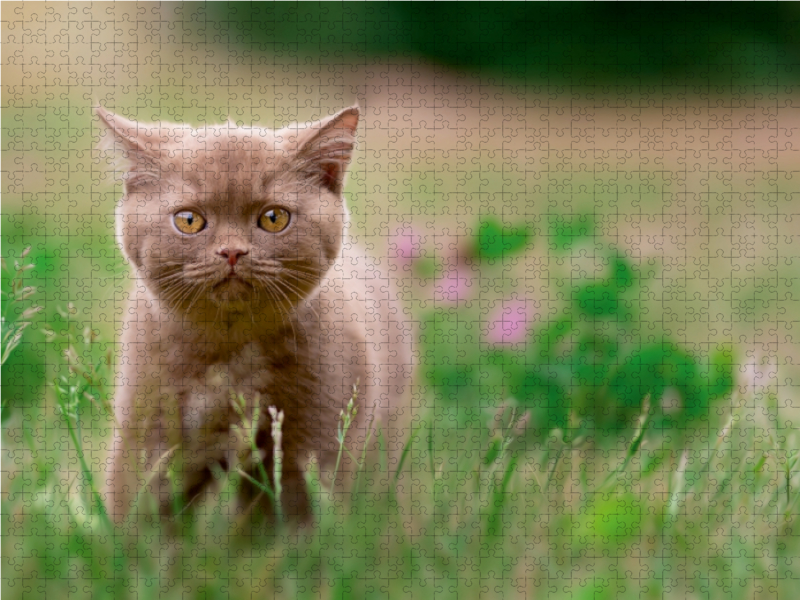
[246,368]
[208,387]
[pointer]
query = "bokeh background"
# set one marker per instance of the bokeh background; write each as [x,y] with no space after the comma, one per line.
[625,173]
[669,127]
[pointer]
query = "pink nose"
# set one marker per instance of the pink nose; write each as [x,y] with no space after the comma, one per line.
[232,255]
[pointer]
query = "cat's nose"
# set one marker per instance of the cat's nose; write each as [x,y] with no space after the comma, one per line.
[232,254]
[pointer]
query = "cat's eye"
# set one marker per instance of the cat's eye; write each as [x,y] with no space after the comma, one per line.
[188,221]
[274,220]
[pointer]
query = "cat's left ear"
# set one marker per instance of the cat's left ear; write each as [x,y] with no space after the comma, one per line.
[325,148]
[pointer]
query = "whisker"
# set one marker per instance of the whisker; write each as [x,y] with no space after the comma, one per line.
[299,292]
[197,295]
[269,287]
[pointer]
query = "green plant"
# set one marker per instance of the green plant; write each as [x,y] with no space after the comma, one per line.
[15,299]
[595,359]
[79,389]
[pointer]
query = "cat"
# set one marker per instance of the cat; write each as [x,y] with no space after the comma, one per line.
[246,291]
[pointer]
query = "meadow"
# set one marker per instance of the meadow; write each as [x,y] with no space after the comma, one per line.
[532,494]
[482,508]
[602,284]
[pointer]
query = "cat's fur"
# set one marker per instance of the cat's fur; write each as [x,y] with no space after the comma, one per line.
[292,319]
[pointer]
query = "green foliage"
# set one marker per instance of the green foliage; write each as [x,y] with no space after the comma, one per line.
[592,359]
[496,241]
[565,230]
[28,364]
[463,514]
[720,371]
[17,315]
[486,514]
[577,43]
[611,520]
[655,368]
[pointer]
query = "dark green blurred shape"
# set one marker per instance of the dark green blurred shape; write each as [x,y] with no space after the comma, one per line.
[565,230]
[496,241]
[598,299]
[602,298]
[655,368]
[580,43]
[720,377]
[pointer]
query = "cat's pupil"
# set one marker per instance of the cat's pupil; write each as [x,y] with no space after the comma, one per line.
[189,219]
[272,216]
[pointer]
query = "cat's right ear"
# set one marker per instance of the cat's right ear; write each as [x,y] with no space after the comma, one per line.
[141,145]
[126,132]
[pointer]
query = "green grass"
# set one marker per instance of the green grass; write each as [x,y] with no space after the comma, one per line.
[714,518]
[484,510]
[481,510]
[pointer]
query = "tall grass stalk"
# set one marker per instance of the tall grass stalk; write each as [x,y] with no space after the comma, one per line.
[347,417]
[277,457]
[250,423]
[66,397]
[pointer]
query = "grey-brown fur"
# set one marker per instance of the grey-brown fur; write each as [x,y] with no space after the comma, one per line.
[303,317]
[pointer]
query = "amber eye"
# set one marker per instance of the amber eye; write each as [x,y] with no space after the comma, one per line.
[274,220]
[188,221]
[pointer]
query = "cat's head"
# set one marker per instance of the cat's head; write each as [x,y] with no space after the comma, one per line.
[232,216]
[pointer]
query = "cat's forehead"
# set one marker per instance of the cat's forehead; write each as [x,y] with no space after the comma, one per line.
[223,143]
[222,158]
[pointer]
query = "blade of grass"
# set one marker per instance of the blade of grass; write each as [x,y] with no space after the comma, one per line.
[85,470]
[633,447]
[406,451]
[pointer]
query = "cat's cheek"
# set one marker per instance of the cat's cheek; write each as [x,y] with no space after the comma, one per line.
[325,242]
[331,246]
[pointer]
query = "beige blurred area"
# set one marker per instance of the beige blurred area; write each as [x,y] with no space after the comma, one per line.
[703,182]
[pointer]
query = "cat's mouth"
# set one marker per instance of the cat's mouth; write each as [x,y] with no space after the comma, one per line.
[232,288]
[233,278]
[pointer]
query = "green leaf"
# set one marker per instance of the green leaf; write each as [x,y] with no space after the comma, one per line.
[550,337]
[623,272]
[495,445]
[541,390]
[760,465]
[721,379]
[598,299]
[564,230]
[614,517]
[654,369]
[496,241]
[594,357]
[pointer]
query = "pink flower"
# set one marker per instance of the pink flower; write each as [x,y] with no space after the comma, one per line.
[454,285]
[407,244]
[509,322]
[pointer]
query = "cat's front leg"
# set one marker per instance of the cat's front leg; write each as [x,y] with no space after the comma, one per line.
[151,470]
[137,475]
[122,479]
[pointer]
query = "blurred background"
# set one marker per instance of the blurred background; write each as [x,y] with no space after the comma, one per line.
[582,203]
